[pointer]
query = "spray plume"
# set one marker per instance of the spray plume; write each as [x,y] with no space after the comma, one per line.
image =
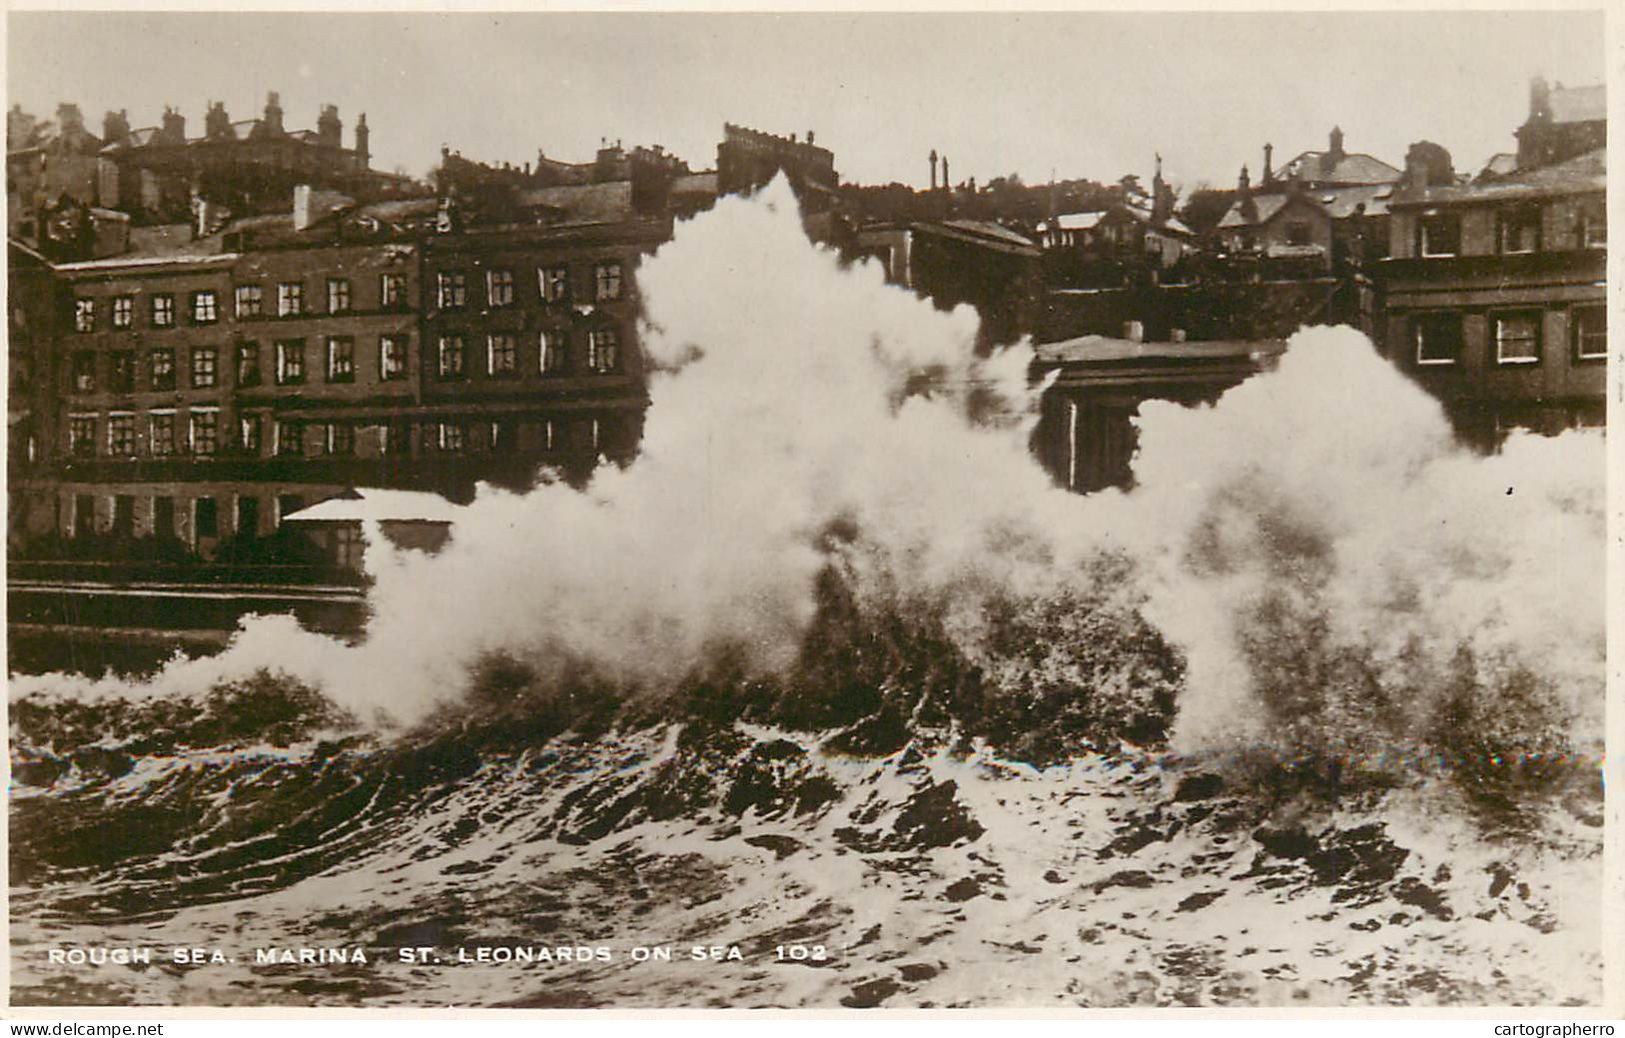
[1323,555]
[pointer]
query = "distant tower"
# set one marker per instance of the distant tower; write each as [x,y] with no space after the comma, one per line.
[1269,171]
[933,169]
[362,134]
[947,185]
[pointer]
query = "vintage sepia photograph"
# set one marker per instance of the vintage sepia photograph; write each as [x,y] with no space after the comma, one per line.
[822,511]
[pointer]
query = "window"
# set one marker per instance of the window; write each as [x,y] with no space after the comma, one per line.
[553,283]
[504,435]
[451,289]
[391,357]
[449,435]
[124,514]
[607,281]
[1440,234]
[290,438]
[248,364]
[553,357]
[340,358]
[161,369]
[121,434]
[161,433]
[163,310]
[1593,229]
[206,517]
[349,547]
[204,308]
[338,295]
[84,315]
[248,515]
[1591,332]
[547,434]
[123,311]
[163,516]
[250,301]
[121,379]
[82,435]
[1517,338]
[84,515]
[84,372]
[203,367]
[248,433]
[290,362]
[451,357]
[1297,232]
[392,291]
[1520,230]
[397,438]
[290,299]
[340,438]
[603,350]
[202,431]
[1438,338]
[499,287]
[501,359]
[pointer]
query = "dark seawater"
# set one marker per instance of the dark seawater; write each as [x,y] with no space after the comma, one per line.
[936,873]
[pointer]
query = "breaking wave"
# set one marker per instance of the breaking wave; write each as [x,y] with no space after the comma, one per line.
[835,610]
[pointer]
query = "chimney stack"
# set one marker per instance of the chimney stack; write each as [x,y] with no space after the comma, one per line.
[933,169]
[174,127]
[216,123]
[1269,171]
[362,140]
[329,130]
[273,114]
[1540,100]
[115,126]
[68,118]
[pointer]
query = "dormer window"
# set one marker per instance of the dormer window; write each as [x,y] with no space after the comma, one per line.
[1440,234]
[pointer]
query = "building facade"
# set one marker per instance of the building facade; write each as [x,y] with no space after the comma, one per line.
[210,382]
[1496,296]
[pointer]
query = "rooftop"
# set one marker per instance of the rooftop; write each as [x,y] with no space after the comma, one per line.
[1101,349]
[1352,168]
[1579,175]
[374,504]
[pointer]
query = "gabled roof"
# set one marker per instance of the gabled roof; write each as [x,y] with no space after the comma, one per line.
[361,504]
[134,139]
[1267,206]
[1355,168]
[1343,202]
[981,232]
[1076,221]
[1578,104]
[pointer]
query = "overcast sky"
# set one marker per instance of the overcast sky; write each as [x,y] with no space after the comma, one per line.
[1085,94]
